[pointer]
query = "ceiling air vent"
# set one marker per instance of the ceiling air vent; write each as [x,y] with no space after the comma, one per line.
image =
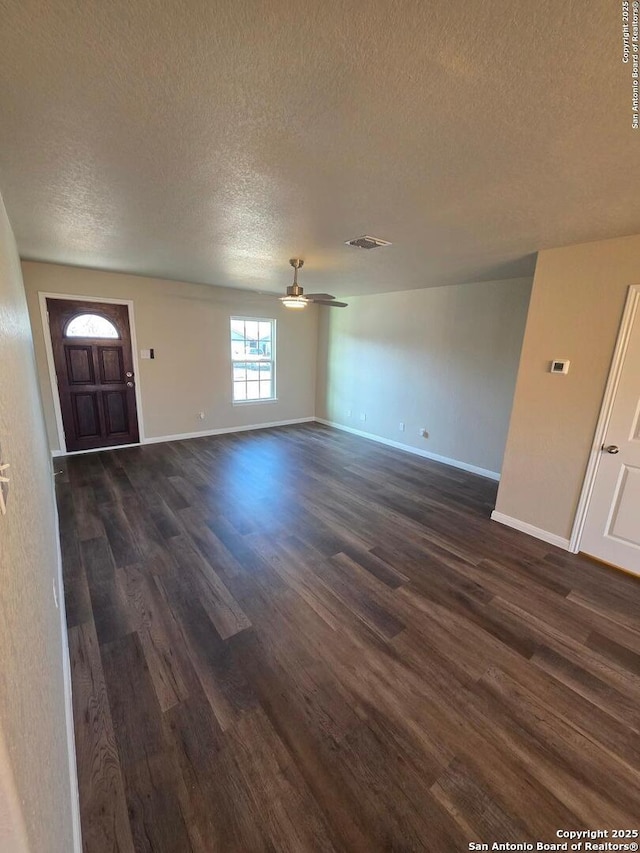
[367,242]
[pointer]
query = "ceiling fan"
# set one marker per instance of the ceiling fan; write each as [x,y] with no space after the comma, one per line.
[295,297]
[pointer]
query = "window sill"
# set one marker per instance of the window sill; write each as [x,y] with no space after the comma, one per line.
[254,402]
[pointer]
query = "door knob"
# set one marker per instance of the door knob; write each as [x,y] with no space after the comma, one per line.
[610,448]
[128,374]
[130,385]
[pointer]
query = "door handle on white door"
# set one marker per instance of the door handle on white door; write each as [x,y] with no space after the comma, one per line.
[610,448]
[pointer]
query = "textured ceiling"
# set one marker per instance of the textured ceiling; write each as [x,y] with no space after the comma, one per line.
[211,141]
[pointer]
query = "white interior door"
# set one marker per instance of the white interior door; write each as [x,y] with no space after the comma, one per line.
[612,526]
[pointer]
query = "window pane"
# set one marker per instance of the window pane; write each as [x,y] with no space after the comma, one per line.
[251,332]
[265,370]
[237,338]
[91,326]
[239,371]
[265,390]
[253,390]
[264,332]
[239,391]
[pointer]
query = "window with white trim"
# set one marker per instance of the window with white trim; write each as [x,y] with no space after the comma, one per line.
[253,346]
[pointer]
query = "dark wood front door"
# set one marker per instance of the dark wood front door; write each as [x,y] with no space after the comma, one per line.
[94,367]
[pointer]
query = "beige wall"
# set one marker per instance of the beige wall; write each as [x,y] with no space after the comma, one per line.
[188,326]
[442,358]
[576,306]
[34,758]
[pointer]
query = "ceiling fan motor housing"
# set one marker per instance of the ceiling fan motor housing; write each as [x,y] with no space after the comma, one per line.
[294,290]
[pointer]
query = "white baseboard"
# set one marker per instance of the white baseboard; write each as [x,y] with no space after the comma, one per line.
[454,463]
[68,701]
[538,532]
[56,453]
[225,430]
[181,436]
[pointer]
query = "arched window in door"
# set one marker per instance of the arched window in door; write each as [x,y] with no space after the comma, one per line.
[90,326]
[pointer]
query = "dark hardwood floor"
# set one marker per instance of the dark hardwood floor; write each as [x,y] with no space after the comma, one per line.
[299,640]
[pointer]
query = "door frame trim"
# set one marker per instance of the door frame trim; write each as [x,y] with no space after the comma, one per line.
[42,298]
[632,304]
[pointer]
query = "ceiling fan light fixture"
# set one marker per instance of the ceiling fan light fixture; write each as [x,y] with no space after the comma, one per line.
[294,301]
[295,297]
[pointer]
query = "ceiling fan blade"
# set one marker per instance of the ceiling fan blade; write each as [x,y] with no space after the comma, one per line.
[319,296]
[330,303]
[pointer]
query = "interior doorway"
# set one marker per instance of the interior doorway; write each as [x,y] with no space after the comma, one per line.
[611,496]
[95,381]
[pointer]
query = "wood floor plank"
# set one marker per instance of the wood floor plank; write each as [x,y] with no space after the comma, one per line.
[88,523]
[120,536]
[296,639]
[134,708]
[207,543]
[610,669]
[593,686]
[626,658]
[534,733]
[103,808]
[107,601]
[156,818]
[150,542]
[161,638]
[476,809]
[303,743]
[362,603]
[293,820]
[76,589]
[226,687]
[380,569]
[305,583]
[146,759]
[601,726]
[221,607]
[209,794]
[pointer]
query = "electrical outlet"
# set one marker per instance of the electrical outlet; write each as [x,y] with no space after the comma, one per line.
[401,427]
[363,416]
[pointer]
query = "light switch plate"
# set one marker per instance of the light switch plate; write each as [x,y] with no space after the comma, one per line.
[559,365]
[4,487]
